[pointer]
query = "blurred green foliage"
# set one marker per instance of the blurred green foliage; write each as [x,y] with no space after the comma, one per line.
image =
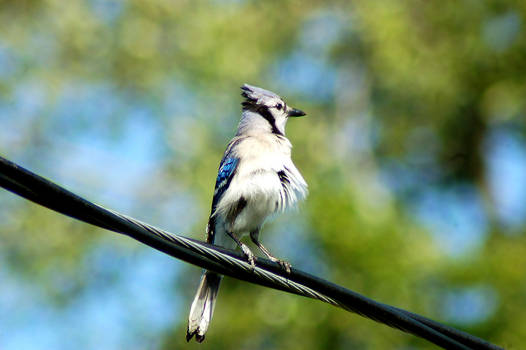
[409,104]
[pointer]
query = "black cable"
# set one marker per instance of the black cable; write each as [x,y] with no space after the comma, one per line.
[44,192]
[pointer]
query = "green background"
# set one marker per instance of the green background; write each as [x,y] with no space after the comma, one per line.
[414,150]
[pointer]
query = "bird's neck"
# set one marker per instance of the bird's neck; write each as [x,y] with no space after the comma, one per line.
[253,123]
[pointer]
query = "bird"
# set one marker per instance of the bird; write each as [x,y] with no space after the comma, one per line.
[256,179]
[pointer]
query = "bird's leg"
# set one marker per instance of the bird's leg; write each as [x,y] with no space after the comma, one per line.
[254,236]
[250,256]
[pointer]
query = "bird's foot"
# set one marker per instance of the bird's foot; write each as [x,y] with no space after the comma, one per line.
[250,256]
[284,264]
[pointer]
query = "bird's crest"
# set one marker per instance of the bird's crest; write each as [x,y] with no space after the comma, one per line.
[258,96]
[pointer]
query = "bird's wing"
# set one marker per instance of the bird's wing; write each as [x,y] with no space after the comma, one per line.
[227,170]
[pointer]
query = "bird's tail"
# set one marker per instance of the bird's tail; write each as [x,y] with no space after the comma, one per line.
[202,307]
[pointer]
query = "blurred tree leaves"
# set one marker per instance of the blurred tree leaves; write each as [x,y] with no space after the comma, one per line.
[406,103]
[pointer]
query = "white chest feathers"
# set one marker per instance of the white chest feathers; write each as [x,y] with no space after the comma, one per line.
[266,182]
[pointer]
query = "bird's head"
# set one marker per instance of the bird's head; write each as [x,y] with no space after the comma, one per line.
[269,106]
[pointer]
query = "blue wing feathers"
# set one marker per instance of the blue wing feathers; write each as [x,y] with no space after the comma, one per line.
[226,172]
[226,169]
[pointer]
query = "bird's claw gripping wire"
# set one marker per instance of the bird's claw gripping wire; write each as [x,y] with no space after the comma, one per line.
[285,265]
[246,250]
[250,256]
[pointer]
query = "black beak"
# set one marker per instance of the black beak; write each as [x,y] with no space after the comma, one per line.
[295,113]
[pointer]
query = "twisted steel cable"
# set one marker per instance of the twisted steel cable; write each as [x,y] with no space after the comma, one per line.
[266,273]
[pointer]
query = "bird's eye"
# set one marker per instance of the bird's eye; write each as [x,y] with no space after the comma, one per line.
[279,106]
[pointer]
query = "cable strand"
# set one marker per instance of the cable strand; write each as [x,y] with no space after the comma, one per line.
[227,262]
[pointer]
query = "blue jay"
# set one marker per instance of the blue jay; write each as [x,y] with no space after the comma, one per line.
[256,179]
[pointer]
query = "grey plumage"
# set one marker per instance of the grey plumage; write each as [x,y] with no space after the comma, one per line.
[256,179]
